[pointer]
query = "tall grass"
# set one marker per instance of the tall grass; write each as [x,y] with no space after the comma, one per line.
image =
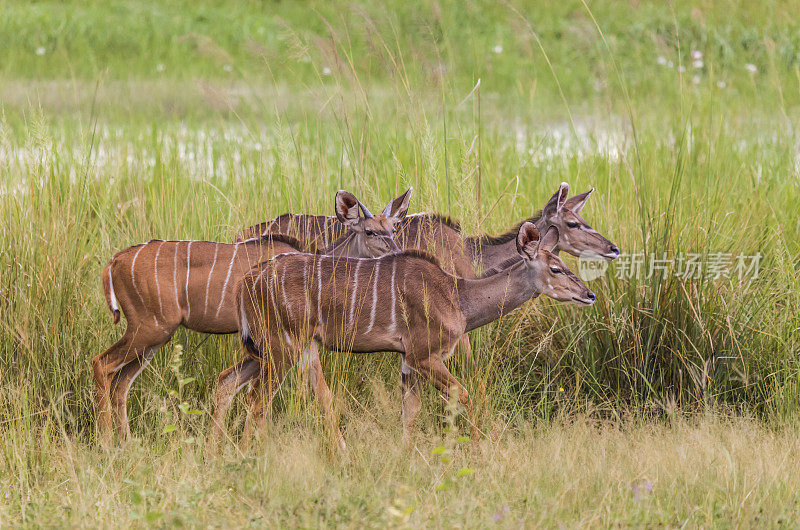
[100,148]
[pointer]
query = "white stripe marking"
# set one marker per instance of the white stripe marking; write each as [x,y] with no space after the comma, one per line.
[158,286]
[353,296]
[227,277]
[175,276]
[319,290]
[188,266]
[392,318]
[307,309]
[374,297]
[133,276]
[208,281]
[283,294]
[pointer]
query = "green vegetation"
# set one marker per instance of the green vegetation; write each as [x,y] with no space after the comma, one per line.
[669,400]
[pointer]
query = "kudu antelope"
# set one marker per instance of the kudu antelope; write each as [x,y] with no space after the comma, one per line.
[402,302]
[459,254]
[162,285]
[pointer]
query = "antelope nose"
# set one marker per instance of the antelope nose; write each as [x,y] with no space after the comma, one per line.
[590,296]
[614,249]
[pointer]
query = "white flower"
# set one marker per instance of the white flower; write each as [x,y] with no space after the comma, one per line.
[681,68]
[228,68]
[326,71]
[697,63]
[750,67]
[721,84]
[697,54]
[670,64]
[696,79]
[497,49]
[661,60]
[41,50]
[160,67]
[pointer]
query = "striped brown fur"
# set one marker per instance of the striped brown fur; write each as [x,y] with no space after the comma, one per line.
[465,256]
[295,304]
[162,285]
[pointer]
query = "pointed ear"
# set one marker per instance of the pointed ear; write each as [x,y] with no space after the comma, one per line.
[527,240]
[396,210]
[549,239]
[576,203]
[556,202]
[347,207]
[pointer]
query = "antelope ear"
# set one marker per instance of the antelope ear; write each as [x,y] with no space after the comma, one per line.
[576,203]
[396,210]
[347,207]
[527,240]
[556,202]
[549,239]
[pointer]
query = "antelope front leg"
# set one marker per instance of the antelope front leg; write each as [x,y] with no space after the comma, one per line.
[319,386]
[411,402]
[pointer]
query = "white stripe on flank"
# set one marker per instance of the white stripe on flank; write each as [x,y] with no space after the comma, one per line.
[283,294]
[305,291]
[188,266]
[175,277]
[374,297]
[111,294]
[353,296]
[208,281]
[289,226]
[288,338]
[133,276]
[319,290]
[227,277]
[271,287]
[392,319]
[325,233]
[158,286]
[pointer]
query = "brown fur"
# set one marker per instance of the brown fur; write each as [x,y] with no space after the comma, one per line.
[174,283]
[402,302]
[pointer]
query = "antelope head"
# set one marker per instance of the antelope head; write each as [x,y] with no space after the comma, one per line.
[373,235]
[574,234]
[550,275]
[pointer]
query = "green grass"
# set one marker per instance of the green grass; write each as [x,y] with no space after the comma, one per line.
[100,148]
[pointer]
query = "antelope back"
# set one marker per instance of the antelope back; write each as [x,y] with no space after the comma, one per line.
[314,232]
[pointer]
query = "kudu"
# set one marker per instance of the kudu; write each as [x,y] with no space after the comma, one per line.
[162,285]
[460,255]
[402,302]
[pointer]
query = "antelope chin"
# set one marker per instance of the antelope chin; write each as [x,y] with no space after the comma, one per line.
[610,255]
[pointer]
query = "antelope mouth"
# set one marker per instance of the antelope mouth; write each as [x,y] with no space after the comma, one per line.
[582,301]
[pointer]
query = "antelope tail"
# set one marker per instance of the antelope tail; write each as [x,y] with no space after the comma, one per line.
[108,290]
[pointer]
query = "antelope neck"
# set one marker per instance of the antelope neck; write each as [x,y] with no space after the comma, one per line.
[484,300]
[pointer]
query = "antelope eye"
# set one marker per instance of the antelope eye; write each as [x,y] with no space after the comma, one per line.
[555,270]
[572,224]
[369,233]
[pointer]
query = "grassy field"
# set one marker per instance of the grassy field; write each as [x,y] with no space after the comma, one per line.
[673,400]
